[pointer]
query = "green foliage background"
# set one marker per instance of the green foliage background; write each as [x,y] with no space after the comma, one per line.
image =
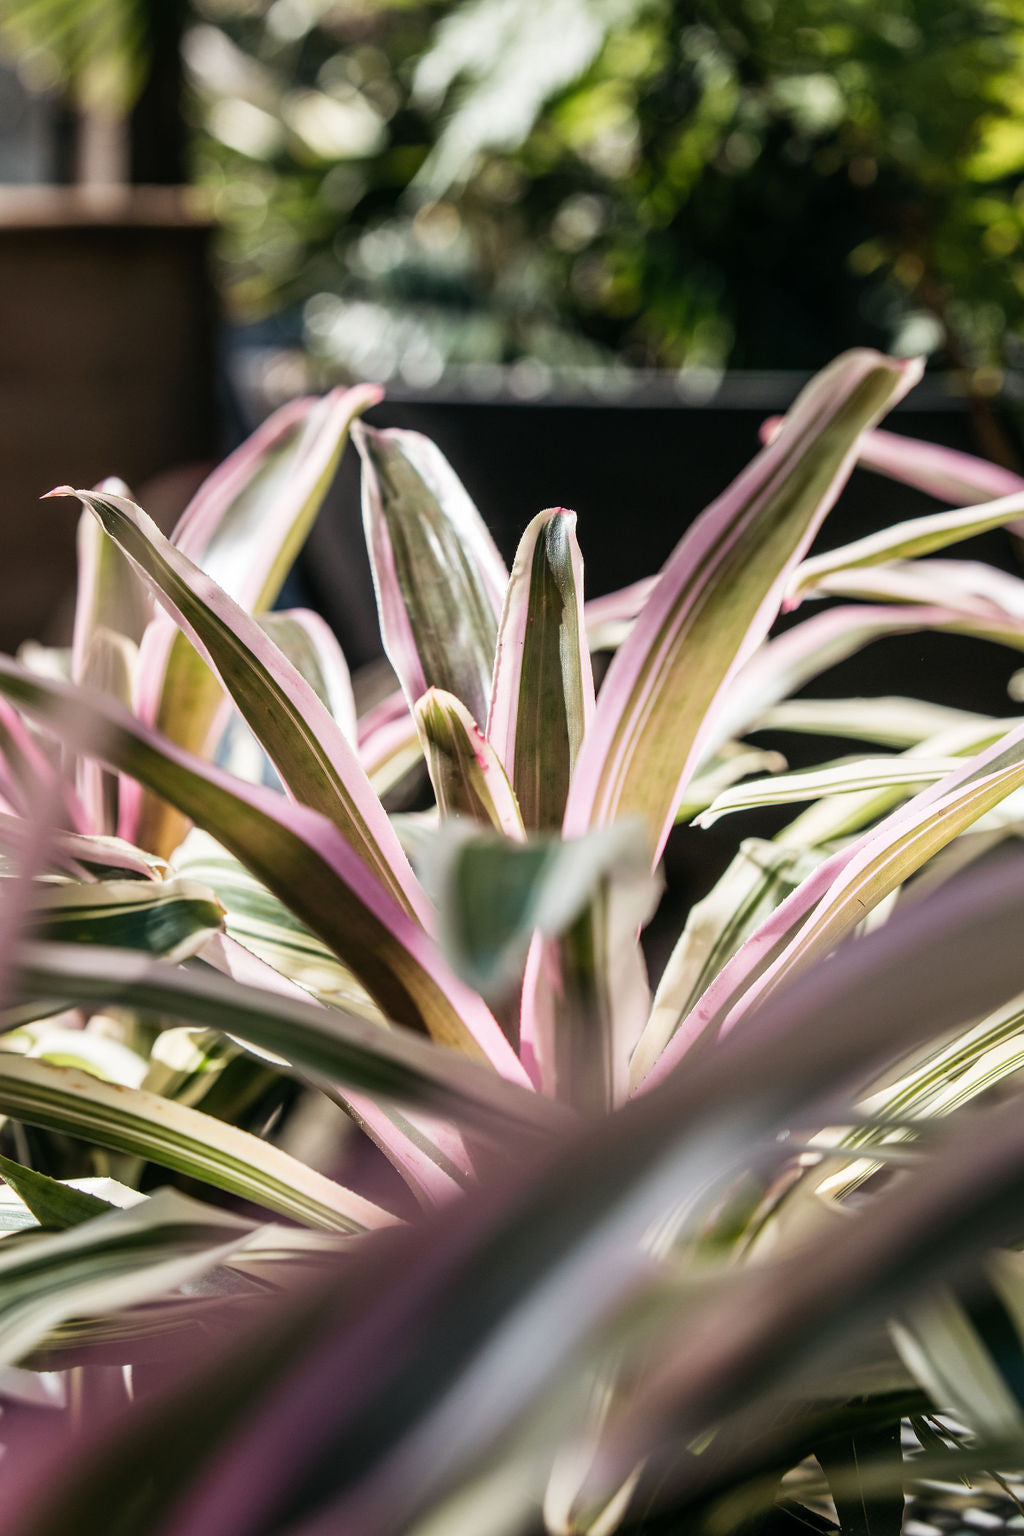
[757,182]
[747,182]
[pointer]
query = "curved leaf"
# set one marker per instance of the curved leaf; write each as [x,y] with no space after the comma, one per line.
[794,658]
[323,1042]
[295,729]
[437,573]
[716,598]
[841,778]
[904,541]
[542,697]
[465,771]
[248,520]
[201,1146]
[303,860]
[173,918]
[838,895]
[890,721]
[945,473]
[244,527]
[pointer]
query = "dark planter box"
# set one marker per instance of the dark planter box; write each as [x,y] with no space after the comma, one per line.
[637,470]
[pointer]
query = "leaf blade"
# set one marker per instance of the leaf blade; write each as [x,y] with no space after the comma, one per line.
[302,859]
[437,573]
[542,697]
[715,600]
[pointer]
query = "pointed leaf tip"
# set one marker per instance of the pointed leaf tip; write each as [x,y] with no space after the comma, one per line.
[59,490]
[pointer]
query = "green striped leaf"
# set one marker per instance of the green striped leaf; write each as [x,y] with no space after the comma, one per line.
[322,1042]
[844,777]
[305,861]
[716,598]
[438,576]
[465,771]
[543,692]
[174,918]
[295,729]
[118,1259]
[174,1136]
[904,541]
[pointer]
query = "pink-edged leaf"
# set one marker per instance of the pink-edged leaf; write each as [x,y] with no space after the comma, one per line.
[389,742]
[28,768]
[177,693]
[586,996]
[439,578]
[945,473]
[109,594]
[542,699]
[904,541]
[467,777]
[311,646]
[304,860]
[610,618]
[243,527]
[296,730]
[42,806]
[394,751]
[580,901]
[248,520]
[111,600]
[386,712]
[85,856]
[948,474]
[979,594]
[432,1159]
[717,597]
[109,666]
[830,903]
[823,825]
[783,665]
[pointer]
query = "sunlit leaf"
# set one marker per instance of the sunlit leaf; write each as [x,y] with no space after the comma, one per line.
[146,1125]
[304,861]
[716,599]
[467,776]
[296,730]
[438,575]
[543,693]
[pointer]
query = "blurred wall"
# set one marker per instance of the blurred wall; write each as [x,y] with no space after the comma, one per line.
[107,322]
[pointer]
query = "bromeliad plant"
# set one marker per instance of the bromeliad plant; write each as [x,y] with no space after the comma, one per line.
[641,1251]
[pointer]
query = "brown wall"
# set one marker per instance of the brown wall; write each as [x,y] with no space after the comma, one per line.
[106,367]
